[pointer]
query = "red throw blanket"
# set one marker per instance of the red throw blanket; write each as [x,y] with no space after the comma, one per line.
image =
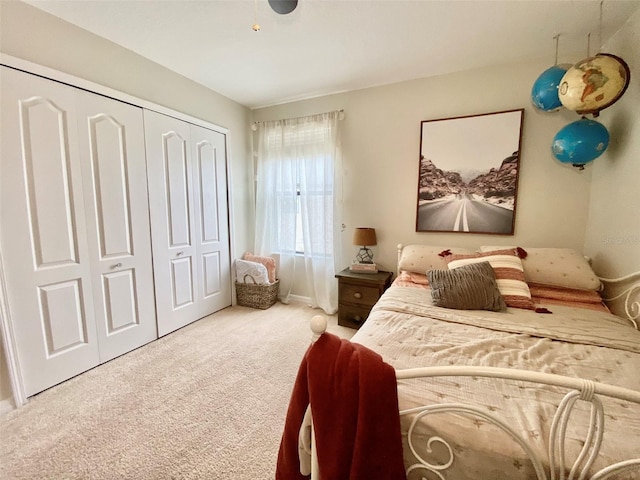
[354,400]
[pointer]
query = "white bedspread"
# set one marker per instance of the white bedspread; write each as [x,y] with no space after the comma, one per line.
[409,332]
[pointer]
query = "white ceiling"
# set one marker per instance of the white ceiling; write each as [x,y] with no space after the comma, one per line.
[330,46]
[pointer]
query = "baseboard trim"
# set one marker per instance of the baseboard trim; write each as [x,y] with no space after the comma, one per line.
[6,406]
[299,298]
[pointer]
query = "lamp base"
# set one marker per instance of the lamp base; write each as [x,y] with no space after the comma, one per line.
[365,255]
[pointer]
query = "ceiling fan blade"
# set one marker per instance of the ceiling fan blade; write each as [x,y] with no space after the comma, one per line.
[283,6]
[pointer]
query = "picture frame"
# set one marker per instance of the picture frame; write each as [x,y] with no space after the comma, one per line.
[468,173]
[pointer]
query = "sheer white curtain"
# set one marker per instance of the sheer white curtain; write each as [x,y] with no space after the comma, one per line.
[296,168]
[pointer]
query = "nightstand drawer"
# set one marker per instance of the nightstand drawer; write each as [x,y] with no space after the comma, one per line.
[358,294]
[352,317]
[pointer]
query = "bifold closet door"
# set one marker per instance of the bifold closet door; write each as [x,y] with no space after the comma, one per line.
[43,232]
[74,228]
[111,140]
[213,265]
[186,167]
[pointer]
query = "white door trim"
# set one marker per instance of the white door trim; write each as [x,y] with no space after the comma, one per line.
[232,252]
[8,336]
[8,343]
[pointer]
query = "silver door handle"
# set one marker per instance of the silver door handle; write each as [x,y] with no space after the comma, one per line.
[117,265]
[179,254]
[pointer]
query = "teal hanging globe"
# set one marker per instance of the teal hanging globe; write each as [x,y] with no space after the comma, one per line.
[580,142]
[544,93]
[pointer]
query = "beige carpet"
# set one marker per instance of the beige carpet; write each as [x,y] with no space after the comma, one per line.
[205,402]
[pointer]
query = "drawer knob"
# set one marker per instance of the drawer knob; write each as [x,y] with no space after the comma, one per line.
[357,295]
[357,318]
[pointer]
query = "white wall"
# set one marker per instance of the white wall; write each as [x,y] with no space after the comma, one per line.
[381,136]
[557,205]
[613,227]
[36,36]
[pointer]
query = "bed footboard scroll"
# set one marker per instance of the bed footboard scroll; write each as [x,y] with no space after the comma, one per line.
[558,463]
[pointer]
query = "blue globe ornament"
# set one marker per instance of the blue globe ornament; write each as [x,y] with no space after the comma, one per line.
[544,93]
[580,142]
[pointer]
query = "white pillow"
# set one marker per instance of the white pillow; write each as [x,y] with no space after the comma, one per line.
[255,270]
[420,258]
[557,267]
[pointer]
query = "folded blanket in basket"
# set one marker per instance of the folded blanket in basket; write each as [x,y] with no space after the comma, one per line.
[354,403]
[268,262]
[256,271]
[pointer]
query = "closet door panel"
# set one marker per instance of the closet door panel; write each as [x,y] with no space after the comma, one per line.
[209,213]
[47,178]
[182,282]
[111,140]
[212,274]
[42,232]
[120,302]
[109,186]
[63,319]
[176,166]
[169,167]
[211,207]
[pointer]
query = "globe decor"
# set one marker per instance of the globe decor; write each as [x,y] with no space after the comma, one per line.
[544,93]
[580,142]
[594,84]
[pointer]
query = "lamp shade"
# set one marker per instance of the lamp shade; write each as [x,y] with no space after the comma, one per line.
[364,236]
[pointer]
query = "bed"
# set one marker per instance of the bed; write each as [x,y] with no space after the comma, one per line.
[549,389]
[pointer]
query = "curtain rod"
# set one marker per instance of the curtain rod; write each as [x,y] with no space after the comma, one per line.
[254,125]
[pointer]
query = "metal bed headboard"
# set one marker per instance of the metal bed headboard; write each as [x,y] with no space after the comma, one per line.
[622,294]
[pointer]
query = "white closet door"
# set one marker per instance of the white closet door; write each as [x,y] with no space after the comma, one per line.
[43,232]
[169,167]
[111,140]
[212,229]
[186,168]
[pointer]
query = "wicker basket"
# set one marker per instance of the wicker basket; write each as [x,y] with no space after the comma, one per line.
[256,296]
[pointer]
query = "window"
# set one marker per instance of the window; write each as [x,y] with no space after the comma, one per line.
[301,171]
[295,200]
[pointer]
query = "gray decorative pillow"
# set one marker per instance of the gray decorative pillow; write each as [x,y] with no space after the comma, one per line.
[471,287]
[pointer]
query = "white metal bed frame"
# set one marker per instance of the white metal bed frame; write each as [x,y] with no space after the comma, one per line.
[623,296]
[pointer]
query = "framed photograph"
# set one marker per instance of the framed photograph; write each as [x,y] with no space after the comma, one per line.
[468,173]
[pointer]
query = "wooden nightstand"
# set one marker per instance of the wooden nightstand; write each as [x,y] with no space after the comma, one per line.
[357,293]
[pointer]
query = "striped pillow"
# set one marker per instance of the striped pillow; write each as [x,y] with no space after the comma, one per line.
[507,267]
[565,294]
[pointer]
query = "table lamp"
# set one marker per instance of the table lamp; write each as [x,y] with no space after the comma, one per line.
[364,237]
